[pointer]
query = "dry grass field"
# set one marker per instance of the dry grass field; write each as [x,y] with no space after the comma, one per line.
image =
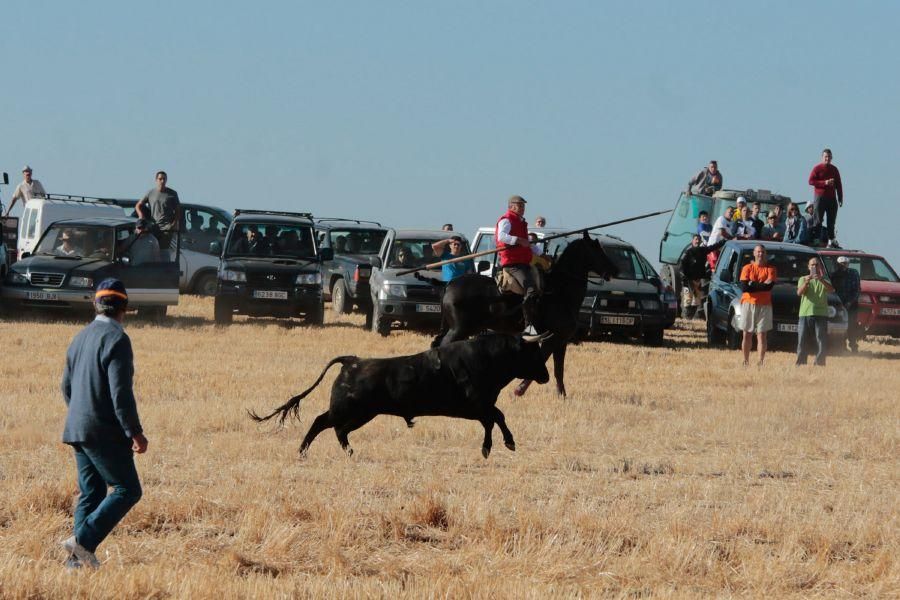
[669,472]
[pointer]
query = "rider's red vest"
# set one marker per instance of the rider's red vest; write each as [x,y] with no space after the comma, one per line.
[513,255]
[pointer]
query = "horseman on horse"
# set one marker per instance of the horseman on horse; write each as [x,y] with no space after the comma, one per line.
[516,258]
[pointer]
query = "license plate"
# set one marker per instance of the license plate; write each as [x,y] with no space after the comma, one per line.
[270,294]
[894,312]
[605,320]
[787,327]
[428,308]
[42,296]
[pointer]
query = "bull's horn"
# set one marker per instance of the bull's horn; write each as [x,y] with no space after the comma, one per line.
[531,339]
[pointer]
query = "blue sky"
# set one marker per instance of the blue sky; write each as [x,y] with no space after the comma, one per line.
[420,113]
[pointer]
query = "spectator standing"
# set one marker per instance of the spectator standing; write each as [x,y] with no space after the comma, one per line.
[704,228]
[162,206]
[707,181]
[757,221]
[757,280]
[694,271]
[847,284]
[744,229]
[795,231]
[828,195]
[25,191]
[447,227]
[102,424]
[540,222]
[813,291]
[452,247]
[721,230]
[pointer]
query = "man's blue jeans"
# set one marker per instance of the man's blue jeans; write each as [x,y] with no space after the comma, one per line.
[101,466]
[805,328]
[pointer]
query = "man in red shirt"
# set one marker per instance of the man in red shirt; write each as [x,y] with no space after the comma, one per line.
[827,196]
[516,253]
[757,280]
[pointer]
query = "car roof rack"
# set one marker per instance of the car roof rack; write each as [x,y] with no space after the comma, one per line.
[340,219]
[244,211]
[78,198]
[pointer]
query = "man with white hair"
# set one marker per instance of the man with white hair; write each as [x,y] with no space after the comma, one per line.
[25,191]
[847,284]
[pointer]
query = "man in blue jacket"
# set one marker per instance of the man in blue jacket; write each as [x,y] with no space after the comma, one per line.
[102,424]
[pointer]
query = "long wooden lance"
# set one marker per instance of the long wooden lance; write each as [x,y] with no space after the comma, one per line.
[457,259]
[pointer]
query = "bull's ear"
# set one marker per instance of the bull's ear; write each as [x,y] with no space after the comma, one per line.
[586,235]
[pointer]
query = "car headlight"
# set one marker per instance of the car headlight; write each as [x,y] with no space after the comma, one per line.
[309,279]
[395,290]
[832,312]
[230,275]
[17,278]
[79,281]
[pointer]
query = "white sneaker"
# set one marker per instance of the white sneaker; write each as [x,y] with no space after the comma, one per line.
[84,556]
[834,244]
[530,330]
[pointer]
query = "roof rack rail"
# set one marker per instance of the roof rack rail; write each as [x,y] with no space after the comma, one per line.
[357,221]
[78,198]
[280,213]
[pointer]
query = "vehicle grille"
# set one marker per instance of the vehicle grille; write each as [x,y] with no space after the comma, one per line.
[422,293]
[46,279]
[271,280]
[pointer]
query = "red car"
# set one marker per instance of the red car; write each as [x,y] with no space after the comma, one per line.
[879,298]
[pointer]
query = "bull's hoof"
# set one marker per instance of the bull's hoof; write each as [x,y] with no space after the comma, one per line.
[349,451]
[485,451]
[510,445]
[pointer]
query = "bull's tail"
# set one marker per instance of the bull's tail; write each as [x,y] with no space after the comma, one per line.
[292,406]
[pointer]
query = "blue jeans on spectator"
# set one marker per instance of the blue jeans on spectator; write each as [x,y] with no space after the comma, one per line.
[805,328]
[101,466]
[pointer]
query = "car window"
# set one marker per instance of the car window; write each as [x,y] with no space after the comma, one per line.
[726,262]
[76,241]
[201,227]
[873,269]
[789,266]
[30,223]
[271,239]
[356,241]
[407,253]
[486,241]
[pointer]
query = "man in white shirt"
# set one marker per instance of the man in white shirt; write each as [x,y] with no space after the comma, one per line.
[516,253]
[721,230]
[25,191]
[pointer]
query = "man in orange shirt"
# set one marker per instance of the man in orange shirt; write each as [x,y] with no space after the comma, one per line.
[757,280]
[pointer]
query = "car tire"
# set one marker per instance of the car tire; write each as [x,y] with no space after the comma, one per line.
[714,335]
[653,337]
[733,338]
[223,313]
[380,324]
[206,285]
[339,302]
[317,316]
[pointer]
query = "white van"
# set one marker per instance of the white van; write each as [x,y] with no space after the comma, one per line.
[41,212]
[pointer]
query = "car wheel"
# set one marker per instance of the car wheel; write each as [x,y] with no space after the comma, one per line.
[714,336]
[223,313]
[653,337]
[206,285]
[317,316]
[339,302]
[380,324]
[733,338]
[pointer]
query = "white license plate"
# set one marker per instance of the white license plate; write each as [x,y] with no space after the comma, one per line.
[428,308]
[605,320]
[894,312]
[42,296]
[787,327]
[270,294]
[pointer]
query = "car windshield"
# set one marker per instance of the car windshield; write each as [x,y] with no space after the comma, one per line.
[271,239]
[626,258]
[77,241]
[356,241]
[790,266]
[870,268]
[413,252]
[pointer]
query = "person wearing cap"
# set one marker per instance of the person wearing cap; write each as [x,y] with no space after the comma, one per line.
[143,247]
[813,290]
[452,247]
[162,206]
[102,424]
[828,195]
[707,181]
[516,253]
[25,191]
[846,283]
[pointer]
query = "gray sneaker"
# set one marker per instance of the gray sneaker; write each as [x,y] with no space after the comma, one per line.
[72,562]
[85,557]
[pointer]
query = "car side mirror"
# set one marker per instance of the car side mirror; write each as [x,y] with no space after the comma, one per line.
[326,254]
[125,260]
[215,248]
[483,265]
[5,178]
[26,254]
[376,262]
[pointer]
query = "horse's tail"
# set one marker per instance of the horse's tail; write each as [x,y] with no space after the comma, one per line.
[292,406]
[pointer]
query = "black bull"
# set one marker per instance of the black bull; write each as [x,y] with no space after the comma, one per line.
[472,304]
[461,380]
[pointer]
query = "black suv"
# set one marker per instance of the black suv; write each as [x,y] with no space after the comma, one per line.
[270,266]
[74,255]
[346,276]
[723,305]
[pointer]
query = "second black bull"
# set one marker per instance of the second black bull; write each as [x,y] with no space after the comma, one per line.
[460,380]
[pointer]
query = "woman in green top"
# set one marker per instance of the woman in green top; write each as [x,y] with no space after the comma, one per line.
[813,290]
